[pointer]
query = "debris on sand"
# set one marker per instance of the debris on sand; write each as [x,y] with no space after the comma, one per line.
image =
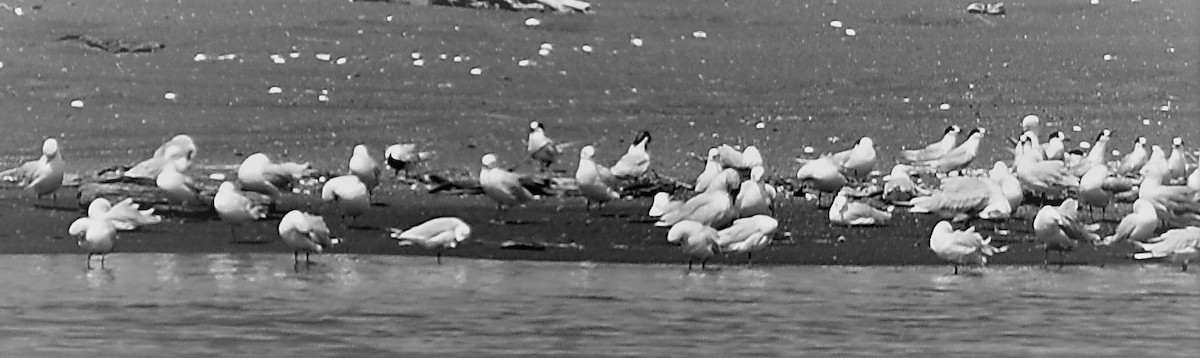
[986,9]
[563,6]
[112,45]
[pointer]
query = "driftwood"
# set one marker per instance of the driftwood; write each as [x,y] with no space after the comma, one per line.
[112,45]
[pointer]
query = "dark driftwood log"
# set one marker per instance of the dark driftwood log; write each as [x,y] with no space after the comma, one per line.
[150,196]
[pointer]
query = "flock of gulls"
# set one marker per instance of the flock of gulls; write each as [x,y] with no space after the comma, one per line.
[729,209]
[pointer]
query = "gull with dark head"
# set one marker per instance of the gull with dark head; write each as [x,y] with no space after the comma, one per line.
[958,158]
[636,160]
[934,150]
[402,156]
[1133,161]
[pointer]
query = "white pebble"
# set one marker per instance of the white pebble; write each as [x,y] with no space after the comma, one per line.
[170,96]
[341,61]
[587,48]
[809,149]
[476,71]
[1116,152]
[200,57]
[700,34]
[278,59]
[544,52]
[835,24]
[851,32]
[274,90]
[1085,145]
[323,98]
[294,55]
[760,125]
[531,22]
[944,106]
[216,176]
[1108,57]
[1077,128]
[523,63]
[415,55]
[19,11]
[442,56]
[388,18]
[547,46]
[1145,122]
[636,41]
[1095,2]
[418,62]
[324,56]
[77,103]
[457,58]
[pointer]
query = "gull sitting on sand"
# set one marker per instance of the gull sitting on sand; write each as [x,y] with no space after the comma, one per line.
[1059,229]
[43,176]
[821,174]
[965,247]
[1132,162]
[595,181]
[934,150]
[663,204]
[636,160]
[747,235]
[438,234]
[698,241]
[960,198]
[125,215]
[95,232]
[853,213]
[364,167]
[258,174]
[182,156]
[304,232]
[712,169]
[501,186]
[403,156]
[898,186]
[1178,245]
[713,207]
[1139,225]
[348,195]
[958,158]
[235,209]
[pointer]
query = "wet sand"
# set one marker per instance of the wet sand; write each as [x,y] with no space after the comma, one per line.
[780,65]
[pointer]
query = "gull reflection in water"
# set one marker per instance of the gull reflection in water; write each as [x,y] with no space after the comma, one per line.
[100,277]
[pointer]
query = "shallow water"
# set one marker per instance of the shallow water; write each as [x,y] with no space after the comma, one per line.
[363,305]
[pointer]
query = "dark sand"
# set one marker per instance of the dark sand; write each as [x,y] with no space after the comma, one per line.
[775,63]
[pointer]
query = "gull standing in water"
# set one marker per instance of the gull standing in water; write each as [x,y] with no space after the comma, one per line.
[43,176]
[236,209]
[258,174]
[501,186]
[747,235]
[1179,245]
[595,181]
[965,247]
[304,232]
[934,150]
[636,160]
[364,167]
[348,195]
[698,241]
[94,232]
[438,234]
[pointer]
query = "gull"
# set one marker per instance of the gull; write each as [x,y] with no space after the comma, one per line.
[1055,146]
[95,233]
[1042,177]
[747,235]
[698,241]
[235,209]
[1059,229]
[1180,245]
[1031,123]
[663,204]
[125,215]
[501,186]
[43,176]
[177,187]
[403,155]
[753,197]
[348,195]
[961,247]
[712,168]
[1193,180]
[1156,162]
[436,234]
[1008,183]
[899,186]
[304,232]
[751,157]
[852,213]
[960,198]
[958,158]
[540,147]
[934,150]
[1097,155]
[821,174]
[1091,190]
[1132,162]
[1173,202]
[1139,225]
[1176,163]
[636,160]
[258,174]
[594,180]
[857,162]
[364,167]
[713,207]
[730,157]
[184,153]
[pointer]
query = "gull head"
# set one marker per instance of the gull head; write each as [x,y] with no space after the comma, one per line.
[489,160]
[98,207]
[587,152]
[1104,134]
[462,232]
[50,147]
[756,173]
[361,150]
[953,128]
[1177,142]
[536,126]
[713,153]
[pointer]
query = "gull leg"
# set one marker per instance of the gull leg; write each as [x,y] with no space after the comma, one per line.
[439,257]
[89,261]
